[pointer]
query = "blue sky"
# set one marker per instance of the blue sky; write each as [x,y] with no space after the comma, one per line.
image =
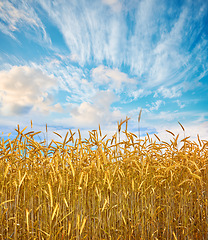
[75,64]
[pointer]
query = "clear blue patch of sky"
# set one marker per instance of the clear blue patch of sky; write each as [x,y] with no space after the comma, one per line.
[204,86]
[143,130]
[61,96]
[22,48]
[128,106]
[130,19]
[8,44]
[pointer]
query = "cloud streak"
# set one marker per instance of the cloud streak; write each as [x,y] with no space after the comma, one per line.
[18,15]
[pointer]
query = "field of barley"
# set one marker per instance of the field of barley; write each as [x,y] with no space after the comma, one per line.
[101,188]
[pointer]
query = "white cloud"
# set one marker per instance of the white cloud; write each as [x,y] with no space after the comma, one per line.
[24,89]
[74,57]
[71,78]
[88,115]
[141,92]
[169,92]
[82,84]
[156,105]
[114,4]
[104,75]
[180,103]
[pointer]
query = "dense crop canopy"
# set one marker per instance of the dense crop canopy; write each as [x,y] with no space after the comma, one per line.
[100,188]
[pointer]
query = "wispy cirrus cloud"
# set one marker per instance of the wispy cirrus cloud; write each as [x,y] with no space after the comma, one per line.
[148,38]
[19,16]
[172,92]
[81,83]
[180,103]
[156,105]
[116,5]
[73,80]
[91,31]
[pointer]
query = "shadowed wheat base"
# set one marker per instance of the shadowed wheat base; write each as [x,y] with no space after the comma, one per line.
[98,188]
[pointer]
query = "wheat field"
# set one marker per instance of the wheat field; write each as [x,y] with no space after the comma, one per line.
[100,188]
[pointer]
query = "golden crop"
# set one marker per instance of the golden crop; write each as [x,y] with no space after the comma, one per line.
[100,188]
